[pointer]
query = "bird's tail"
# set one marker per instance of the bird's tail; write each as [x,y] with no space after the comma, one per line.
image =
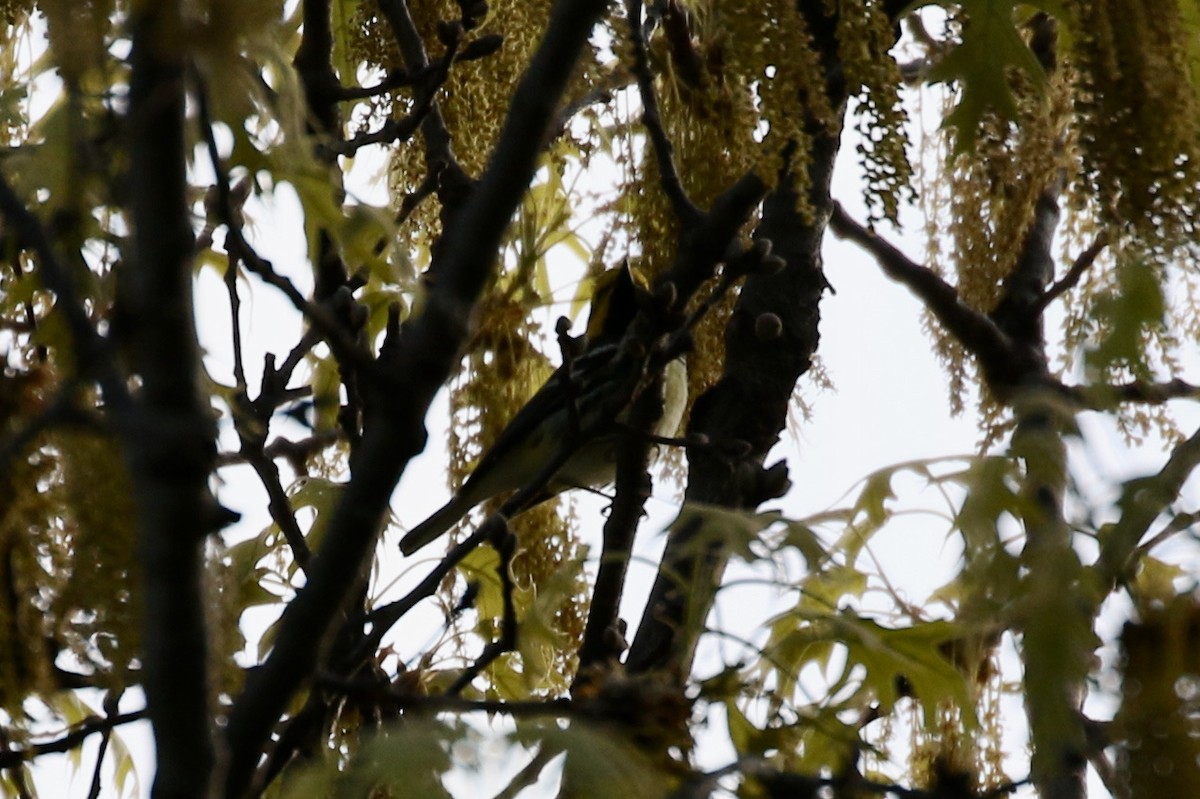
[433,527]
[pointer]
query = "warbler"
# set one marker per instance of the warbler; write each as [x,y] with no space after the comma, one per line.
[579,406]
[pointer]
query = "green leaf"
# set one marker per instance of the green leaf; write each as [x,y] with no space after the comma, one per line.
[247,575]
[124,768]
[608,765]
[1127,314]
[991,493]
[741,732]
[326,388]
[908,655]
[991,47]
[321,495]
[541,637]
[884,661]
[804,538]
[481,566]
[409,759]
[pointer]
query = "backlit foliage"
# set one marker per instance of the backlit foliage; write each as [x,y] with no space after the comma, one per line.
[1119,146]
[1139,116]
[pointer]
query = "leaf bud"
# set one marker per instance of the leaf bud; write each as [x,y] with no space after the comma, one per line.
[768,326]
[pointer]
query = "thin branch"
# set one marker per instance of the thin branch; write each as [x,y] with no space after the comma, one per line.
[1106,397]
[1076,272]
[974,330]
[345,348]
[294,452]
[105,738]
[672,186]
[434,133]
[505,545]
[390,132]
[252,432]
[395,79]
[415,197]
[93,353]
[75,737]
[601,93]
[278,505]
[418,363]
[532,772]
[399,130]
[380,693]
[235,319]
[382,619]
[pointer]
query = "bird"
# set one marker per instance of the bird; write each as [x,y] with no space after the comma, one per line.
[583,397]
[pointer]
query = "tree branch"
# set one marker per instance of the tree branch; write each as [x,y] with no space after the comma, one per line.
[454,185]
[349,352]
[632,489]
[172,448]
[75,737]
[1002,365]
[1106,397]
[672,186]
[418,362]
[1075,273]
[505,544]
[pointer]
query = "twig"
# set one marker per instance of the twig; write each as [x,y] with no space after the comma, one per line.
[235,311]
[505,545]
[391,131]
[417,364]
[601,93]
[294,452]
[344,347]
[395,130]
[1076,272]
[414,198]
[252,433]
[445,703]
[279,506]
[532,771]
[434,133]
[1105,397]
[105,737]
[394,79]
[73,738]
[974,330]
[672,186]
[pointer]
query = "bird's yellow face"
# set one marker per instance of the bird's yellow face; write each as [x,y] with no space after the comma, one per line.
[614,303]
